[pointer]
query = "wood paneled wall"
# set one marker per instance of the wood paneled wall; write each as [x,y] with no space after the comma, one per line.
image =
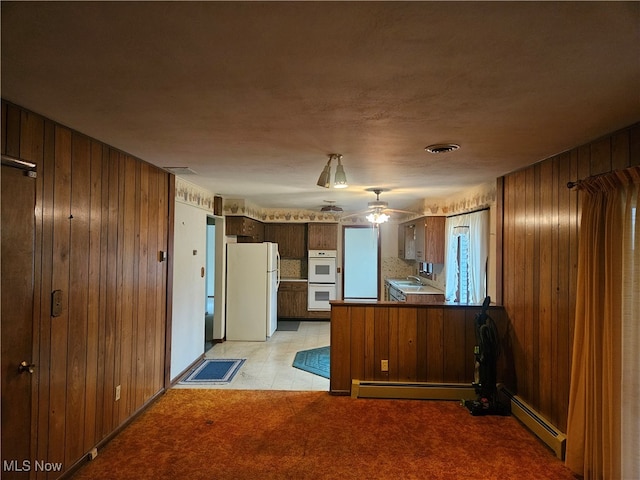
[102,217]
[423,343]
[540,232]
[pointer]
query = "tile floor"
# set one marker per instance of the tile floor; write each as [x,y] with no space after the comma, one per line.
[268,365]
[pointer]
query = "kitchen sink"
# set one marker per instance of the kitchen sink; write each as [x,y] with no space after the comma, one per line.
[405,283]
[412,288]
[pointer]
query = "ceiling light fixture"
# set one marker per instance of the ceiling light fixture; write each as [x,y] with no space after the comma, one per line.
[340,179]
[377,218]
[442,147]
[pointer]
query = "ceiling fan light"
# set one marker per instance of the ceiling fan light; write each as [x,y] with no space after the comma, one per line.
[377,217]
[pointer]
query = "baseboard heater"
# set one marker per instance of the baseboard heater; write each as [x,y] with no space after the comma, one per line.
[415,390]
[540,426]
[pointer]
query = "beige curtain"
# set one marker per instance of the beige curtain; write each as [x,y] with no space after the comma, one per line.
[631,335]
[606,306]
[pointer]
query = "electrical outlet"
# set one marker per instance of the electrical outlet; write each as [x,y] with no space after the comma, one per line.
[384,365]
[117,393]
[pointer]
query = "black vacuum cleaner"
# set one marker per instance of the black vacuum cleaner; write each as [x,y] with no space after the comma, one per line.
[486,352]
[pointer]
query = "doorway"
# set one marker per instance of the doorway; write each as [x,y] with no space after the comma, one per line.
[361,262]
[18,230]
[215,291]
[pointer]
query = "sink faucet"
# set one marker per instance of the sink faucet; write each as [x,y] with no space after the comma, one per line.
[417,279]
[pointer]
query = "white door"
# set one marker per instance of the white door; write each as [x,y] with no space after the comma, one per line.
[361,254]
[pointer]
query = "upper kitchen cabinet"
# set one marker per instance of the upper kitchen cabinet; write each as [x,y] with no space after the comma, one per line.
[422,240]
[290,237]
[322,236]
[407,241]
[434,239]
[246,229]
[419,236]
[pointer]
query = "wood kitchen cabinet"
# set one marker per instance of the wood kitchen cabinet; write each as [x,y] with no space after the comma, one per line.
[407,241]
[401,240]
[292,300]
[322,236]
[422,240]
[434,236]
[246,229]
[290,237]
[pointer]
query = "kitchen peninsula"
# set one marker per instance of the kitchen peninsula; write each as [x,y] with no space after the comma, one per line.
[402,342]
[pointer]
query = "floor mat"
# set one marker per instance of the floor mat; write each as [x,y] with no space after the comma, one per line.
[288,325]
[314,361]
[214,371]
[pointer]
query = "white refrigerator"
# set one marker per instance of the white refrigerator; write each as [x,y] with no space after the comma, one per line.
[253,277]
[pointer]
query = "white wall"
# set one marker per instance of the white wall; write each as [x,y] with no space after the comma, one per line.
[187,330]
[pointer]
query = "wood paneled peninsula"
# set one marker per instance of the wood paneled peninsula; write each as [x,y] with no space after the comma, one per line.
[413,342]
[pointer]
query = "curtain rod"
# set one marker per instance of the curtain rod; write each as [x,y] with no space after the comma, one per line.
[17,162]
[624,174]
[470,211]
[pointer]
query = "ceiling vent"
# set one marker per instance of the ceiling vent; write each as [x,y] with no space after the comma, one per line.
[181,170]
[442,147]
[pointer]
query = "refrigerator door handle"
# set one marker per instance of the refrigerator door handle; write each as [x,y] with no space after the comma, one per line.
[278,269]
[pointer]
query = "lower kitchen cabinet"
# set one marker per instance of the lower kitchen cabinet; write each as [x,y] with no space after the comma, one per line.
[292,300]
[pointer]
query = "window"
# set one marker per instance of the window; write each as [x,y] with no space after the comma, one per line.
[466,257]
[462,257]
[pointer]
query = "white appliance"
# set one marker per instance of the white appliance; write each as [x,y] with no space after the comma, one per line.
[322,279]
[253,277]
[322,266]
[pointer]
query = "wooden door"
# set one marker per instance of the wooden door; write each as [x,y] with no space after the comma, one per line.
[18,228]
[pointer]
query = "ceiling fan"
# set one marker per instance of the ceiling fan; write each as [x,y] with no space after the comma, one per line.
[331,208]
[378,211]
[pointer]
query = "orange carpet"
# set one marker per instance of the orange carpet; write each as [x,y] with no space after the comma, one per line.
[236,434]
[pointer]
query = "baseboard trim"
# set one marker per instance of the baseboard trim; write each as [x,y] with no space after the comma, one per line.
[184,373]
[540,426]
[413,390]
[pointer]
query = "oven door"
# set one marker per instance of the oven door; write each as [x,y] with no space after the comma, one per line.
[322,270]
[319,296]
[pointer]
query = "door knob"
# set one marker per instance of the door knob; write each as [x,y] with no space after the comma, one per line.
[26,367]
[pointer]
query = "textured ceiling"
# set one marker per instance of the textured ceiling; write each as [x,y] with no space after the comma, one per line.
[253,95]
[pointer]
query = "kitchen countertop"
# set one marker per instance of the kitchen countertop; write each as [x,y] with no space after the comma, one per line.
[411,287]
